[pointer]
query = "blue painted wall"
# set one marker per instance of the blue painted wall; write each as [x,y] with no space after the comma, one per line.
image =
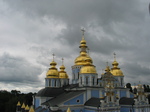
[123,93]
[37,102]
[95,93]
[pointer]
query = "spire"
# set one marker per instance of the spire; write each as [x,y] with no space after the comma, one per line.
[53,56]
[83,42]
[62,67]
[62,61]
[115,63]
[27,107]
[23,106]
[31,109]
[107,67]
[68,110]
[52,72]
[53,63]
[62,72]
[114,56]
[80,60]
[18,104]
[82,33]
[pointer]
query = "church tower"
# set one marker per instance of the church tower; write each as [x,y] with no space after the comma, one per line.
[88,75]
[64,79]
[80,60]
[52,76]
[18,108]
[117,73]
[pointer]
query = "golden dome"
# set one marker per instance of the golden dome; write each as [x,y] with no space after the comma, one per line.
[31,109]
[27,107]
[115,70]
[18,104]
[68,110]
[88,67]
[80,60]
[52,72]
[62,73]
[23,105]
[107,69]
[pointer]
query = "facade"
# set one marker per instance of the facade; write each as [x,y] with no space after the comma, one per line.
[87,92]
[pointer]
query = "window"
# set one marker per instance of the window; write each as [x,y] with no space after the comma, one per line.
[81,80]
[55,83]
[93,80]
[121,82]
[86,79]
[50,82]
[78,101]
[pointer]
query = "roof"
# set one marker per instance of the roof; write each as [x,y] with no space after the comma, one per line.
[70,86]
[63,97]
[50,92]
[94,102]
[126,101]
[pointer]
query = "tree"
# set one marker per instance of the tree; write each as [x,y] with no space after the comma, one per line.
[128,85]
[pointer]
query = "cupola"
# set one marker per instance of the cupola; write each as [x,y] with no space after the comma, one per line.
[115,70]
[88,67]
[80,60]
[62,72]
[52,72]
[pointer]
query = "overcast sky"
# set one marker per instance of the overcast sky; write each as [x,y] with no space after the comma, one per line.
[32,30]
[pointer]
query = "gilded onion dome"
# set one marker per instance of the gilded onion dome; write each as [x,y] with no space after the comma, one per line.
[88,67]
[80,60]
[115,70]
[107,69]
[23,106]
[62,73]
[27,107]
[18,104]
[52,72]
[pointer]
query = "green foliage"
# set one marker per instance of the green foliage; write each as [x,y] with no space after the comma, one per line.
[8,100]
[128,85]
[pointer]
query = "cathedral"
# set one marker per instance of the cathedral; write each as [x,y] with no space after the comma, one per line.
[87,92]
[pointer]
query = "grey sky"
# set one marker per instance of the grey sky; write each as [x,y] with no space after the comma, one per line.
[31,30]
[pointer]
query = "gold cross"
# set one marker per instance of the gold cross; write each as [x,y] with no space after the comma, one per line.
[62,61]
[53,56]
[114,55]
[83,30]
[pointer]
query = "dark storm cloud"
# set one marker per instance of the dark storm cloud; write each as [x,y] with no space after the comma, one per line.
[47,27]
[17,69]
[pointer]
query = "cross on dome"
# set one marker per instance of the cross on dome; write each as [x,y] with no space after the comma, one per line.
[62,61]
[114,56]
[83,30]
[53,56]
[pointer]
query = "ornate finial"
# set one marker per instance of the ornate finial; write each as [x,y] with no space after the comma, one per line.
[107,63]
[83,30]
[114,56]
[53,56]
[62,61]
